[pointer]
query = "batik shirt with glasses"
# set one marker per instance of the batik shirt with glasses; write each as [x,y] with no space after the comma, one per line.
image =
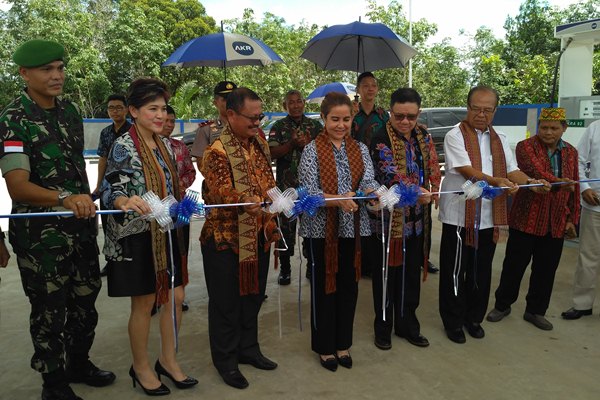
[388,172]
[108,136]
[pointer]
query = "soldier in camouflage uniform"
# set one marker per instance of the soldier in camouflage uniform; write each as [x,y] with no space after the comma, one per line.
[41,157]
[286,141]
[209,131]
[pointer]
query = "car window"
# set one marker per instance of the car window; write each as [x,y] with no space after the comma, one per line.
[444,118]
[422,119]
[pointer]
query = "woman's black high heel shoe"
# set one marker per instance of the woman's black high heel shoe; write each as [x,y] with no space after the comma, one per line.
[187,383]
[162,390]
[329,363]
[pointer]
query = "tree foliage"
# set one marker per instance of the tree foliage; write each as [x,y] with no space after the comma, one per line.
[111,42]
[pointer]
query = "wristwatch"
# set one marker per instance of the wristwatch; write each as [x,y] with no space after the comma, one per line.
[62,196]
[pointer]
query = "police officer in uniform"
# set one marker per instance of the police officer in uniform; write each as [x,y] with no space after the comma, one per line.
[209,131]
[41,157]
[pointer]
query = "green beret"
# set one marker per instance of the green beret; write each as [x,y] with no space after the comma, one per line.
[36,52]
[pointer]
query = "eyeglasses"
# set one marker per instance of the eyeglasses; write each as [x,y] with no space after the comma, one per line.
[485,111]
[410,117]
[253,118]
[116,108]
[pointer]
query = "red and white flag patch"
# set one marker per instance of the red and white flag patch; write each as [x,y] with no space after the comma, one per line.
[13,146]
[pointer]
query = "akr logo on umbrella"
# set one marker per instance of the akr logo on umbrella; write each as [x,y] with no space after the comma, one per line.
[243,48]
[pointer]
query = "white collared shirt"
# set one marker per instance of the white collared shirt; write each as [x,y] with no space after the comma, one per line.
[452,207]
[589,161]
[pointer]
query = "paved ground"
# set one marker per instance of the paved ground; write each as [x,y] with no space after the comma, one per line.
[514,361]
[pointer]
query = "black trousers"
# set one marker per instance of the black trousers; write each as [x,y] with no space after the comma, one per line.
[332,315]
[520,249]
[370,247]
[403,293]
[474,278]
[232,319]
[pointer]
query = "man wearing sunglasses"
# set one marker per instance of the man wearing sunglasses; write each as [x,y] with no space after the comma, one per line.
[403,152]
[236,240]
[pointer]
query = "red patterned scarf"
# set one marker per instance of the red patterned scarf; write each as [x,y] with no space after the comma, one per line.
[399,154]
[499,207]
[156,182]
[329,184]
[242,171]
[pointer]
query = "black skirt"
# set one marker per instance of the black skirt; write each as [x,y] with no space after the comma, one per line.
[136,277]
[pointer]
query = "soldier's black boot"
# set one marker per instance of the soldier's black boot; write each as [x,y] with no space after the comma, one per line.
[56,387]
[81,370]
[285,270]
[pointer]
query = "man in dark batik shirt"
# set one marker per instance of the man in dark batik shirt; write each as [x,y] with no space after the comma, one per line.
[288,137]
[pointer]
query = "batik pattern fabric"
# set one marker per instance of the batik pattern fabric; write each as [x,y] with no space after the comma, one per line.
[543,213]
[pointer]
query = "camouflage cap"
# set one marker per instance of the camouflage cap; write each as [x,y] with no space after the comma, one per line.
[223,88]
[553,114]
[37,52]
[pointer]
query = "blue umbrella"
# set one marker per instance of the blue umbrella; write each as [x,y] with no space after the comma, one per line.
[317,95]
[223,50]
[359,47]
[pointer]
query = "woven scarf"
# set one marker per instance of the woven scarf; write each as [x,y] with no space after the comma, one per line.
[156,182]
[499,207]
[242,171]
[399,154]
[329,184]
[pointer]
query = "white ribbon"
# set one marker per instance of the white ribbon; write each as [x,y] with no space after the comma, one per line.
[388,198]
[160,210]
[282,202]
[473,190]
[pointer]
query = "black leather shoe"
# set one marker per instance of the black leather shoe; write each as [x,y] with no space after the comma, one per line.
[419,340]
[260,362]
[162,390]
[496,315]
[89,374]
[187,383]
[572,313]
[345,361]
[234,378]
[456,335]
[383,344]
[432,269]
[284,278]
[185,306]
[475,330]
[329,363]
[59,393]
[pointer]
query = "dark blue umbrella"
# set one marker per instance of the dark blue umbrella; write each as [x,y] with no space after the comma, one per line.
[359,47]
[223,50]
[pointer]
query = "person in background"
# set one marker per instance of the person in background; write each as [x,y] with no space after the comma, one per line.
[41,158]
[209,131]
[588,262]
[335,165]
[117,111]
[539,219]
[187,176]
[145,263]
[236,240]
[403,152]
[288,137]
[368,119]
